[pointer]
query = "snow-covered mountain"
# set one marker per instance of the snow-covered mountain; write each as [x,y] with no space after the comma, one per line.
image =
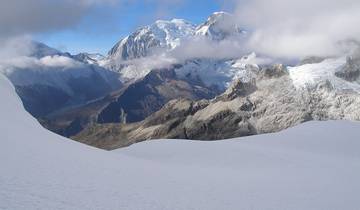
[162,35]
[264,99]
[220,26]
[167,35]
[150,47]
[312,166]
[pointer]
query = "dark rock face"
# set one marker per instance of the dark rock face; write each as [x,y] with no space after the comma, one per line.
[274,71]
[40,100]
[89,88]
[73,127]
[351,71]
[311,60]
[214,128]
[148,95]
[69,122]
[138,101]
[238,88]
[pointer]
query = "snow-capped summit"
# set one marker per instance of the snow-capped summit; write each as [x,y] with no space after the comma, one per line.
[167,35]
[89,58]
[219,26]
[161,35]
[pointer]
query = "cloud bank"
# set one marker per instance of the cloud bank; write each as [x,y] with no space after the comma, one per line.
[18,17]
[203,47]
[299,28]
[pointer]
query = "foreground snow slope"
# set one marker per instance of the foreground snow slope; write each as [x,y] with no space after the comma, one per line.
[313,166]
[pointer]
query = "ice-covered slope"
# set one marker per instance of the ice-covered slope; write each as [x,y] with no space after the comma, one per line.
[310,75]
[312,166]
[220,73]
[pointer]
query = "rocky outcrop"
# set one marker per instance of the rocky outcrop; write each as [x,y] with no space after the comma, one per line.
[270,103]
[311,60]
[351,70]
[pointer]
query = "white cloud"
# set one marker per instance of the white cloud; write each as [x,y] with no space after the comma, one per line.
[59,61]
[15,46]
[24,62]
[202,47]
[299,28]
[19,17]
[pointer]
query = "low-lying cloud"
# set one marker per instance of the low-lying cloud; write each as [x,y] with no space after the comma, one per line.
[25,62]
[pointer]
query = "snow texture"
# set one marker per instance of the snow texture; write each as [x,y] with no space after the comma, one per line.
[313,166]
[309,75]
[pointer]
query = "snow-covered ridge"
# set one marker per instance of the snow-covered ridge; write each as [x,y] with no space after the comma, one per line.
[220,72]
[310,75]
[312,166]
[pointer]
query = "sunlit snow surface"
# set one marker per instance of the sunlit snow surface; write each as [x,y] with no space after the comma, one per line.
[313,166]
[311,74]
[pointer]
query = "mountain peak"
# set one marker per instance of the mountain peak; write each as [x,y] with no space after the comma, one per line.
[39,50]
[221,13]
[219,26]
[161,35]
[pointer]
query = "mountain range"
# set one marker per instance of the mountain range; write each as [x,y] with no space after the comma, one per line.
[141,90]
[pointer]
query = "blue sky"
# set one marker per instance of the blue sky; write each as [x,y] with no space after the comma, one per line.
[104,25]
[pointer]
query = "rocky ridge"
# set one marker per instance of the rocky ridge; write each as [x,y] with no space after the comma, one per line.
[268,103]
